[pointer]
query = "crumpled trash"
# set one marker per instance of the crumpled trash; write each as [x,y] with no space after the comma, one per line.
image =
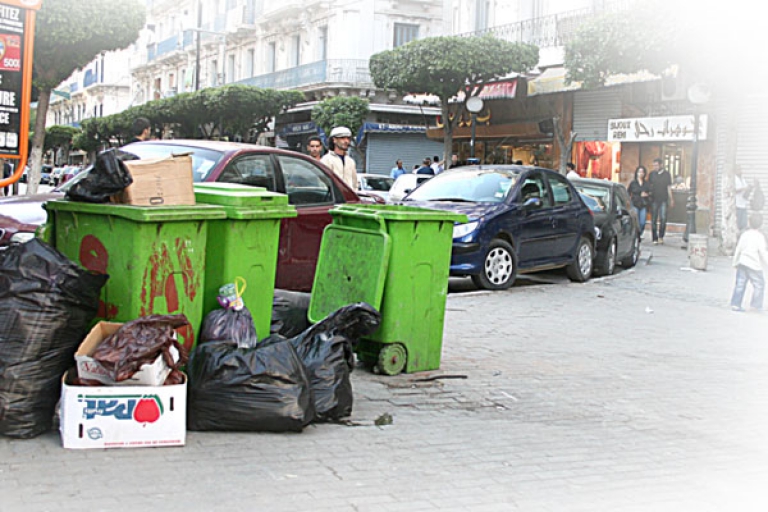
[139,342]
[105,178]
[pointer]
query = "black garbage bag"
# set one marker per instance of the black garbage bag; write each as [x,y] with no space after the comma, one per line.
[46,305]
[326,349]
[289,313]
[107,177]
[264,388]
[228,324]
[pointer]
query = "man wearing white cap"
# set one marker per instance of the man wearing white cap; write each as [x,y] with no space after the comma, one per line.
[338,159]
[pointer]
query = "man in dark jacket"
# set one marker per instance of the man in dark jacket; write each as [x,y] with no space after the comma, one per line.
[426,167]
[141,129]
[661,200]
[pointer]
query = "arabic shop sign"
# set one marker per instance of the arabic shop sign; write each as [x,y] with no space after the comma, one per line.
[654,129]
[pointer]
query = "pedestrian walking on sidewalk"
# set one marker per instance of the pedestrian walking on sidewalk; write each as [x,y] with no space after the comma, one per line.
[640,193]
[661,200]
[749,259]
[315,147]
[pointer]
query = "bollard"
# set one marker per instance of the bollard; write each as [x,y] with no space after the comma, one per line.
[697,251]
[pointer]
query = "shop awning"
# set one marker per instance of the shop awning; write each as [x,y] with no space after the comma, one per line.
[520,130]
[388,128]
[494,91]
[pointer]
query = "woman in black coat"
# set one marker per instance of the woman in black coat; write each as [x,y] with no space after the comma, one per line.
[640,194]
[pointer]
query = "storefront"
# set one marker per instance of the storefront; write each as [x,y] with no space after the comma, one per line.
[509,129]
[638,141]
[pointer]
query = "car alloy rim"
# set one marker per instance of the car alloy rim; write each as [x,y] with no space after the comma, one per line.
[498,266]
[585,259]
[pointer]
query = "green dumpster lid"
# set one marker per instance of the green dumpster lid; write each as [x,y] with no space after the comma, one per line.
[351,267]
[249,213]
[398,212]
[234,194]
[141,213]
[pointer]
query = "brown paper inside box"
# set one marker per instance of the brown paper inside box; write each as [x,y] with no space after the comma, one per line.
[159,182]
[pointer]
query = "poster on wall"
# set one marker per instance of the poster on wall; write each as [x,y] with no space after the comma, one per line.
[12,27]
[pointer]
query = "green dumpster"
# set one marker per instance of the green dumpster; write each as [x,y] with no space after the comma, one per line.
[397,259]
[155,256]
[244,245]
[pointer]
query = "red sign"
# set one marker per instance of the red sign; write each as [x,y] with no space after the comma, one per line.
[10,52]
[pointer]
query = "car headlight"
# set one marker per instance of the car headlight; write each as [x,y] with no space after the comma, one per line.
[462,230]
[20,238]
[598,233]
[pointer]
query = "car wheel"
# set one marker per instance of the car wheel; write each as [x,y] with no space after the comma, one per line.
[606,262]
[634,255]
[581,268]
[499,267]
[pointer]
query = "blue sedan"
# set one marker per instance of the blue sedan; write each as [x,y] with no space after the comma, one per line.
[521,219]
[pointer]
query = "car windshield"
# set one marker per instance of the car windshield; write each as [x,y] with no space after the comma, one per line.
[597,199]
[475,185]
[203,160]
[381,184]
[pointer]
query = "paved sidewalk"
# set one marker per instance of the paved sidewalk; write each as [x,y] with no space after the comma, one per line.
[636,392]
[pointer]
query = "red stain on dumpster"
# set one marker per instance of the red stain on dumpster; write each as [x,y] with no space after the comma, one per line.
[93,254]
[95,257]
[159,280]
[190,278]
[154,282]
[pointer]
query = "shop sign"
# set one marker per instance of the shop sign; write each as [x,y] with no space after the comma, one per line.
[655,129]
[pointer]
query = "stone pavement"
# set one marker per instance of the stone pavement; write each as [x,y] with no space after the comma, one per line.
[637,392]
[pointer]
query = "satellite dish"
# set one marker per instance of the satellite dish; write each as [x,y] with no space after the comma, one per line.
[699,93]
[474,104]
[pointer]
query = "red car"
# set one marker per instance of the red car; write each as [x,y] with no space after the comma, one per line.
[311,187]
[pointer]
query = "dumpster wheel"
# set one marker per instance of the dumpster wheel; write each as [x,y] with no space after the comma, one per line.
[392,357]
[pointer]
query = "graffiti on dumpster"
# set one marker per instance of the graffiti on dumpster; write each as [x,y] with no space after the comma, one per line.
[159,282]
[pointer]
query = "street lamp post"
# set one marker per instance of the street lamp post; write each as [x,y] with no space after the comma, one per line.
[698,95]
[474,105]
[197,50]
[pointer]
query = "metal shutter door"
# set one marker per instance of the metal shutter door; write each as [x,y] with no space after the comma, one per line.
[384,149]
[592,110]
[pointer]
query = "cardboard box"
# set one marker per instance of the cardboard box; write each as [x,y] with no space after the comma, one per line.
[122,417]
[153,374]
[159,182]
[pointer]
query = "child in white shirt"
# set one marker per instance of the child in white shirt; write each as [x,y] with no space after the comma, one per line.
[750,257]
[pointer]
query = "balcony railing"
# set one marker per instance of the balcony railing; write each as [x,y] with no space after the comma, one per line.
[354,72]
[548,31]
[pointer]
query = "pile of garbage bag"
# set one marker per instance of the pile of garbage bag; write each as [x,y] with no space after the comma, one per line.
[46,305]
[280,384]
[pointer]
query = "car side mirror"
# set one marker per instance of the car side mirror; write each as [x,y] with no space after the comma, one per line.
[532,203]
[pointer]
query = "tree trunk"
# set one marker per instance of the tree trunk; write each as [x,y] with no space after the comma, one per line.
[35,159]
[447,133]
[566,146]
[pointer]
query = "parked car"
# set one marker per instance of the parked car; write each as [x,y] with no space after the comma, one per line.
[21,215]
[405,184]
[375,184]
[311,187]
[616,224]
[521,219]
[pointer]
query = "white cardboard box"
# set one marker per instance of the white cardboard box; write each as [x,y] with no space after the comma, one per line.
[123,417]
[153,374]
